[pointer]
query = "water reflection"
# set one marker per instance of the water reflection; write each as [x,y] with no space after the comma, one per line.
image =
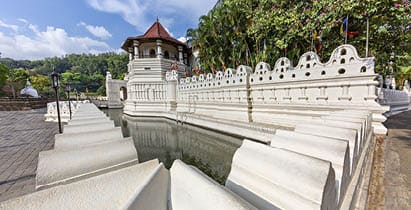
[160,138]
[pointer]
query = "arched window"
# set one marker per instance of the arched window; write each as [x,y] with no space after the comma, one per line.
[152,53]
[166,55]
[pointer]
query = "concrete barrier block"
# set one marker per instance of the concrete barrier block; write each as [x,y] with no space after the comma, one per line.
[349,135]
[329,149]
[78,140]
[62,166]
[114,190]
[89,120]
[272,178]
[154,193]
[191,189]
[69,129]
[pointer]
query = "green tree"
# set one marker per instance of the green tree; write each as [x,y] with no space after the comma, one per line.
[42,84]
[16,78]
[247,32]
[4,71]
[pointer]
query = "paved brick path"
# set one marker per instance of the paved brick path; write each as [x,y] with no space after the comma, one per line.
[397,173]
[23,134]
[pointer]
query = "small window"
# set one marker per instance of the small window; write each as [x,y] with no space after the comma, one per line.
[281,76]
[343,51]
[307,66]
[323,73]
[307,74]
[241,80]
[293,76]
[261,78]
[261,66]
[351,59]
[341,71]
[282,63]
[342,61]
[166,55]
[308,58]
[233,81]
[152,53]
[282,69]
[270,78]
[227,82]
[252,80]
[147,68]
[363,69]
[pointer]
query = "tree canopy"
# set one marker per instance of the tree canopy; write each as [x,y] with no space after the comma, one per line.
[84,71]
[246,32]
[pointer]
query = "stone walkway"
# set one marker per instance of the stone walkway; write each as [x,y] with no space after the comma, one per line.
[23,134]
[397,172]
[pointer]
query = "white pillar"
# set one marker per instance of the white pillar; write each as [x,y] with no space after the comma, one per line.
[136,45]
[180,54]
[130,54]
[159,51]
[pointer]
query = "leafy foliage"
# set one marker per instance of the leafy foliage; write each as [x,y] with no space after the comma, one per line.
[85,71]
[246,32]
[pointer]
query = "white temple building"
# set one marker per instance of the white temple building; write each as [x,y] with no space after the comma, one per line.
[29,91]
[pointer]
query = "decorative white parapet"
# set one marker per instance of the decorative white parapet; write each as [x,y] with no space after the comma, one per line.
[142,186]
[330,149]
[346,81]
[272,178]
[348,135]
[191,189]
[397,100]
[78,140]
[66,165]
[223,95]
[51,115]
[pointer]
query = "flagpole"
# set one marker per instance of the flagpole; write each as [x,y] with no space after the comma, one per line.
[366,41]
[312,40]
[346,31]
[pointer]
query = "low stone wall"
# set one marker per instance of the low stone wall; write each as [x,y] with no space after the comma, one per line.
[397,100]
[22,104]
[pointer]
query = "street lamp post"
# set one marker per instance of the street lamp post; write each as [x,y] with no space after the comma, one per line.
[55,83]
[75,93]
[68,89]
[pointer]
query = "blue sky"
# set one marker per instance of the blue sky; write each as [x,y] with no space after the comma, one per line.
[35,29]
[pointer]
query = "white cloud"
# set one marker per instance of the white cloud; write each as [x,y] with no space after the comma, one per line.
[142,13]
[182,39]
[23,20]
[9,26]
[98,31]
[48,43]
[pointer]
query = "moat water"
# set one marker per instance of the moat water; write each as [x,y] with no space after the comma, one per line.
[211,152]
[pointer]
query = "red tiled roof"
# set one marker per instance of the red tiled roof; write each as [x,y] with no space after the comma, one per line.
[158,31]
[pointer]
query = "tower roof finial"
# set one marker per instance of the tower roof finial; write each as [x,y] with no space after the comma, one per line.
[157,18]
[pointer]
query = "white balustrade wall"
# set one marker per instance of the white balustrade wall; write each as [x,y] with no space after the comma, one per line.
[397,100]
[51,115]
[345,81]
[221,95]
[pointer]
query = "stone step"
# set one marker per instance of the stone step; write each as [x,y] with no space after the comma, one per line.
[70,129]
[272,178]
[142,186]
[191,189]
[78,140]
[89,120]
[62,166]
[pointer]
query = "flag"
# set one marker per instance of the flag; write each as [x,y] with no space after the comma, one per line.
[344,29]
[344,25]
